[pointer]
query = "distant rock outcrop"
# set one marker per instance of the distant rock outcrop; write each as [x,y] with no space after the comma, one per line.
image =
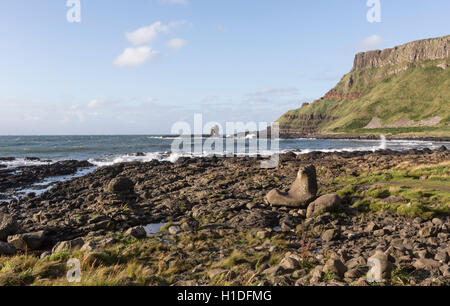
[413,52]
[407,86]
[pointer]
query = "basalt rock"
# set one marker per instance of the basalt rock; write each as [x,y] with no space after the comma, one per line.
[302,192]
[28,241]
[8,226]
[120,185]
[326,203]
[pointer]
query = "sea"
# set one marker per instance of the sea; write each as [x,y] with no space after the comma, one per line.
[109,150]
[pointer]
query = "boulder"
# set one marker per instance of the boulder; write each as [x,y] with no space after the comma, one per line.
[335,266]
[302,192]
[426,264]
[8,226]
[137,232]
[28,241]
[68,245]
[326,203]
[330,235]
[7,249]
[120,185]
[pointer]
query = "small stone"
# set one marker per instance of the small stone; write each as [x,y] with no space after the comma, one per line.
[262,234]
[89,246]
[216,272]
[437,221]
[441,256]
[275,270]
[329,235]
[289,264]
[7,249]
[372,226]
[428,231]
[174,230]
[445,270]
[45,254]
[379,233]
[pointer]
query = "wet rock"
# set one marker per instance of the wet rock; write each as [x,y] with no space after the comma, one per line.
[28,241]
[302,192]
[326,203]
[7,159]
[8,226]
[137,232]
[7,249]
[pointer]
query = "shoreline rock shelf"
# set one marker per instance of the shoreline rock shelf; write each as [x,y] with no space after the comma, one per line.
[343,209]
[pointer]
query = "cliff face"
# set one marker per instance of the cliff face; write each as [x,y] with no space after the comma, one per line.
[413,52]
[409,83]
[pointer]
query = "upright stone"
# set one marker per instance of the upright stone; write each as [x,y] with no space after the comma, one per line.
[303,191]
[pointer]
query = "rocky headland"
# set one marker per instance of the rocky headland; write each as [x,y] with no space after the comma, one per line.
[401,91]
[219,228]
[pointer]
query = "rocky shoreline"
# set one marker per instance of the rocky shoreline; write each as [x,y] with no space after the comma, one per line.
[364,137]
[219,228]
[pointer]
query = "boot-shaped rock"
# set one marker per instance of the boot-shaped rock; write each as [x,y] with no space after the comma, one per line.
[303,191]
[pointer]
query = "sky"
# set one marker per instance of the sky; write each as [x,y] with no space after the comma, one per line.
[138,67]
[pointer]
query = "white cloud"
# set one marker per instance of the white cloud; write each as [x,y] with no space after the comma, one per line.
[149,33]
[183,2]
[132,57]
[97,103]
[370,43]
[176,43]
[150,101]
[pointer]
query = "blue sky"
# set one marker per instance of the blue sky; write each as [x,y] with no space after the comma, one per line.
[137,67]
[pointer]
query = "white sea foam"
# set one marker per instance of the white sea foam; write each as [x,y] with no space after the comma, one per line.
[21,162]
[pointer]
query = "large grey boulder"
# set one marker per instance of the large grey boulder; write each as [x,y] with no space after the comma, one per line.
[28,241]
[326,203]
[8,226]
[302,192]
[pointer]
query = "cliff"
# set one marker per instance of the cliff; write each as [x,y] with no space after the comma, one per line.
[405,87]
